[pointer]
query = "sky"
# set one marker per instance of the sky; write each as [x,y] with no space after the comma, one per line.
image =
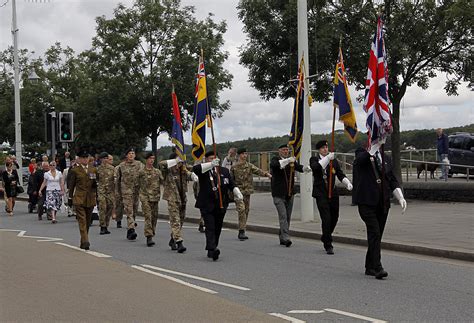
[72,22]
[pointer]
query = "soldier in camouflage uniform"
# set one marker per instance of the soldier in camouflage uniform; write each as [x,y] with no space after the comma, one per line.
[242,173]
[118,197]
[106,191]
[126,188]
[176,177]
[149,180]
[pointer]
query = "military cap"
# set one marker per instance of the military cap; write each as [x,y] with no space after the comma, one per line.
[241,150]
[103,155]
[83,153]
[210,153]
[172,156]
[283,146]
[321,143]
[148,155]
[129,149]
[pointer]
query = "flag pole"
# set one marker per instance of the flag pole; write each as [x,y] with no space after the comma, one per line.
[214,147]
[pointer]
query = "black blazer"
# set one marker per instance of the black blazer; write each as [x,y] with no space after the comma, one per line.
[207,198]
[366,190]
[281,178]
[320,186]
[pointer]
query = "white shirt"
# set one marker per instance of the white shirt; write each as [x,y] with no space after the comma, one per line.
[53,183]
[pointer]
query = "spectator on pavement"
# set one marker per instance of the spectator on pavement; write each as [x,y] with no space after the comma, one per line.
[10,186]
[443,152]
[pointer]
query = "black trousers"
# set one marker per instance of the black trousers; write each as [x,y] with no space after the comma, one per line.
[375,218]
[213,226]
[329,214]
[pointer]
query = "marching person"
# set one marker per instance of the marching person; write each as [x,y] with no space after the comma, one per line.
[328,207]
[372,195]
[242,172]
[126,189]
[82,194]
[118,196]
[106,191]
[230,159]
[175,187]
[282,169]
[149,180]
[211,189]
[39,178]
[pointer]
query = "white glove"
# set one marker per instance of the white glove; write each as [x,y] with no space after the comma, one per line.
[237,194]
[307,169]
[172,162]
[286,161]
[331,156]
[399,196]
[216,162]
[348,184]
[374,149]
[194,177]
[205,167]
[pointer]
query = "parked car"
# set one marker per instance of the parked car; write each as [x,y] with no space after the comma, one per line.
[461,151]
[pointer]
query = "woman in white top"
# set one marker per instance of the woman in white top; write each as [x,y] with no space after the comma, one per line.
[54,182]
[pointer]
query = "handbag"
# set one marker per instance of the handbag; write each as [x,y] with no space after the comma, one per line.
[20,189]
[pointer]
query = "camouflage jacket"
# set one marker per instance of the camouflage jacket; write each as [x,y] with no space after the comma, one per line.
[105,174]
[149,181]
[175,184]
[126,179]
[243,176]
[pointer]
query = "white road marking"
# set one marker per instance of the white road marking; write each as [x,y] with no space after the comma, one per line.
[305,312]
[286,317]
[92,253]
[357,316]
[21,233]
[176,280]
[196,277]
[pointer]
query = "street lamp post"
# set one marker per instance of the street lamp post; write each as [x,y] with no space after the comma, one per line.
[18,148]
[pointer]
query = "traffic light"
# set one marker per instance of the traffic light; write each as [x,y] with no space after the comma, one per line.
[66,127]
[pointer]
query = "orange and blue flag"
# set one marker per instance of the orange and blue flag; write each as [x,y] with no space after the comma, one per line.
[198,134]
[342,99]
[177,130]
[297,124]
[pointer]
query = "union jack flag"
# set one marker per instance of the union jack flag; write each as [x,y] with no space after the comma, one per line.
[377,103]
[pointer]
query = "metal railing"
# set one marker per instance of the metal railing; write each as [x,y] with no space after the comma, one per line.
[408,162]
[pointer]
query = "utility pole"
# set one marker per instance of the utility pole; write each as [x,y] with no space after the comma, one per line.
[306,179]
[18,148]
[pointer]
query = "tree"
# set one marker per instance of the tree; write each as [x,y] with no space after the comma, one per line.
[423,38]
[143,51]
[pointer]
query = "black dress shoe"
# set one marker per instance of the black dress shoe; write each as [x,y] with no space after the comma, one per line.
[216,254]
[381,274]
[85,245]
[210,253]
[330,250]
[370,272]
[288,243]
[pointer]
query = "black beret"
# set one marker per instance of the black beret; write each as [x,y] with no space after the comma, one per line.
[283,146]
[103,155]
[149,154]
[210,153]
[172,156]
[321,143]
[241,150]
[129,149]
[83,153]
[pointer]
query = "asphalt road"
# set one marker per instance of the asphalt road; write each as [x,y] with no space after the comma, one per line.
[300,282]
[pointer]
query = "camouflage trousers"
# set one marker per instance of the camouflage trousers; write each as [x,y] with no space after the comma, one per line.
[106,207]
[150,213]
[243,211]
[130,208]
[177,213]
[118,209]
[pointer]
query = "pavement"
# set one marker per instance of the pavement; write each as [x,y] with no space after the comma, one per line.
[440,229]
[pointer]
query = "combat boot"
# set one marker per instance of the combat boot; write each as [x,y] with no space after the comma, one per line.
[180,247]
[242,235]
[150,242]
[103,230]
[172,244]
[131,234]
